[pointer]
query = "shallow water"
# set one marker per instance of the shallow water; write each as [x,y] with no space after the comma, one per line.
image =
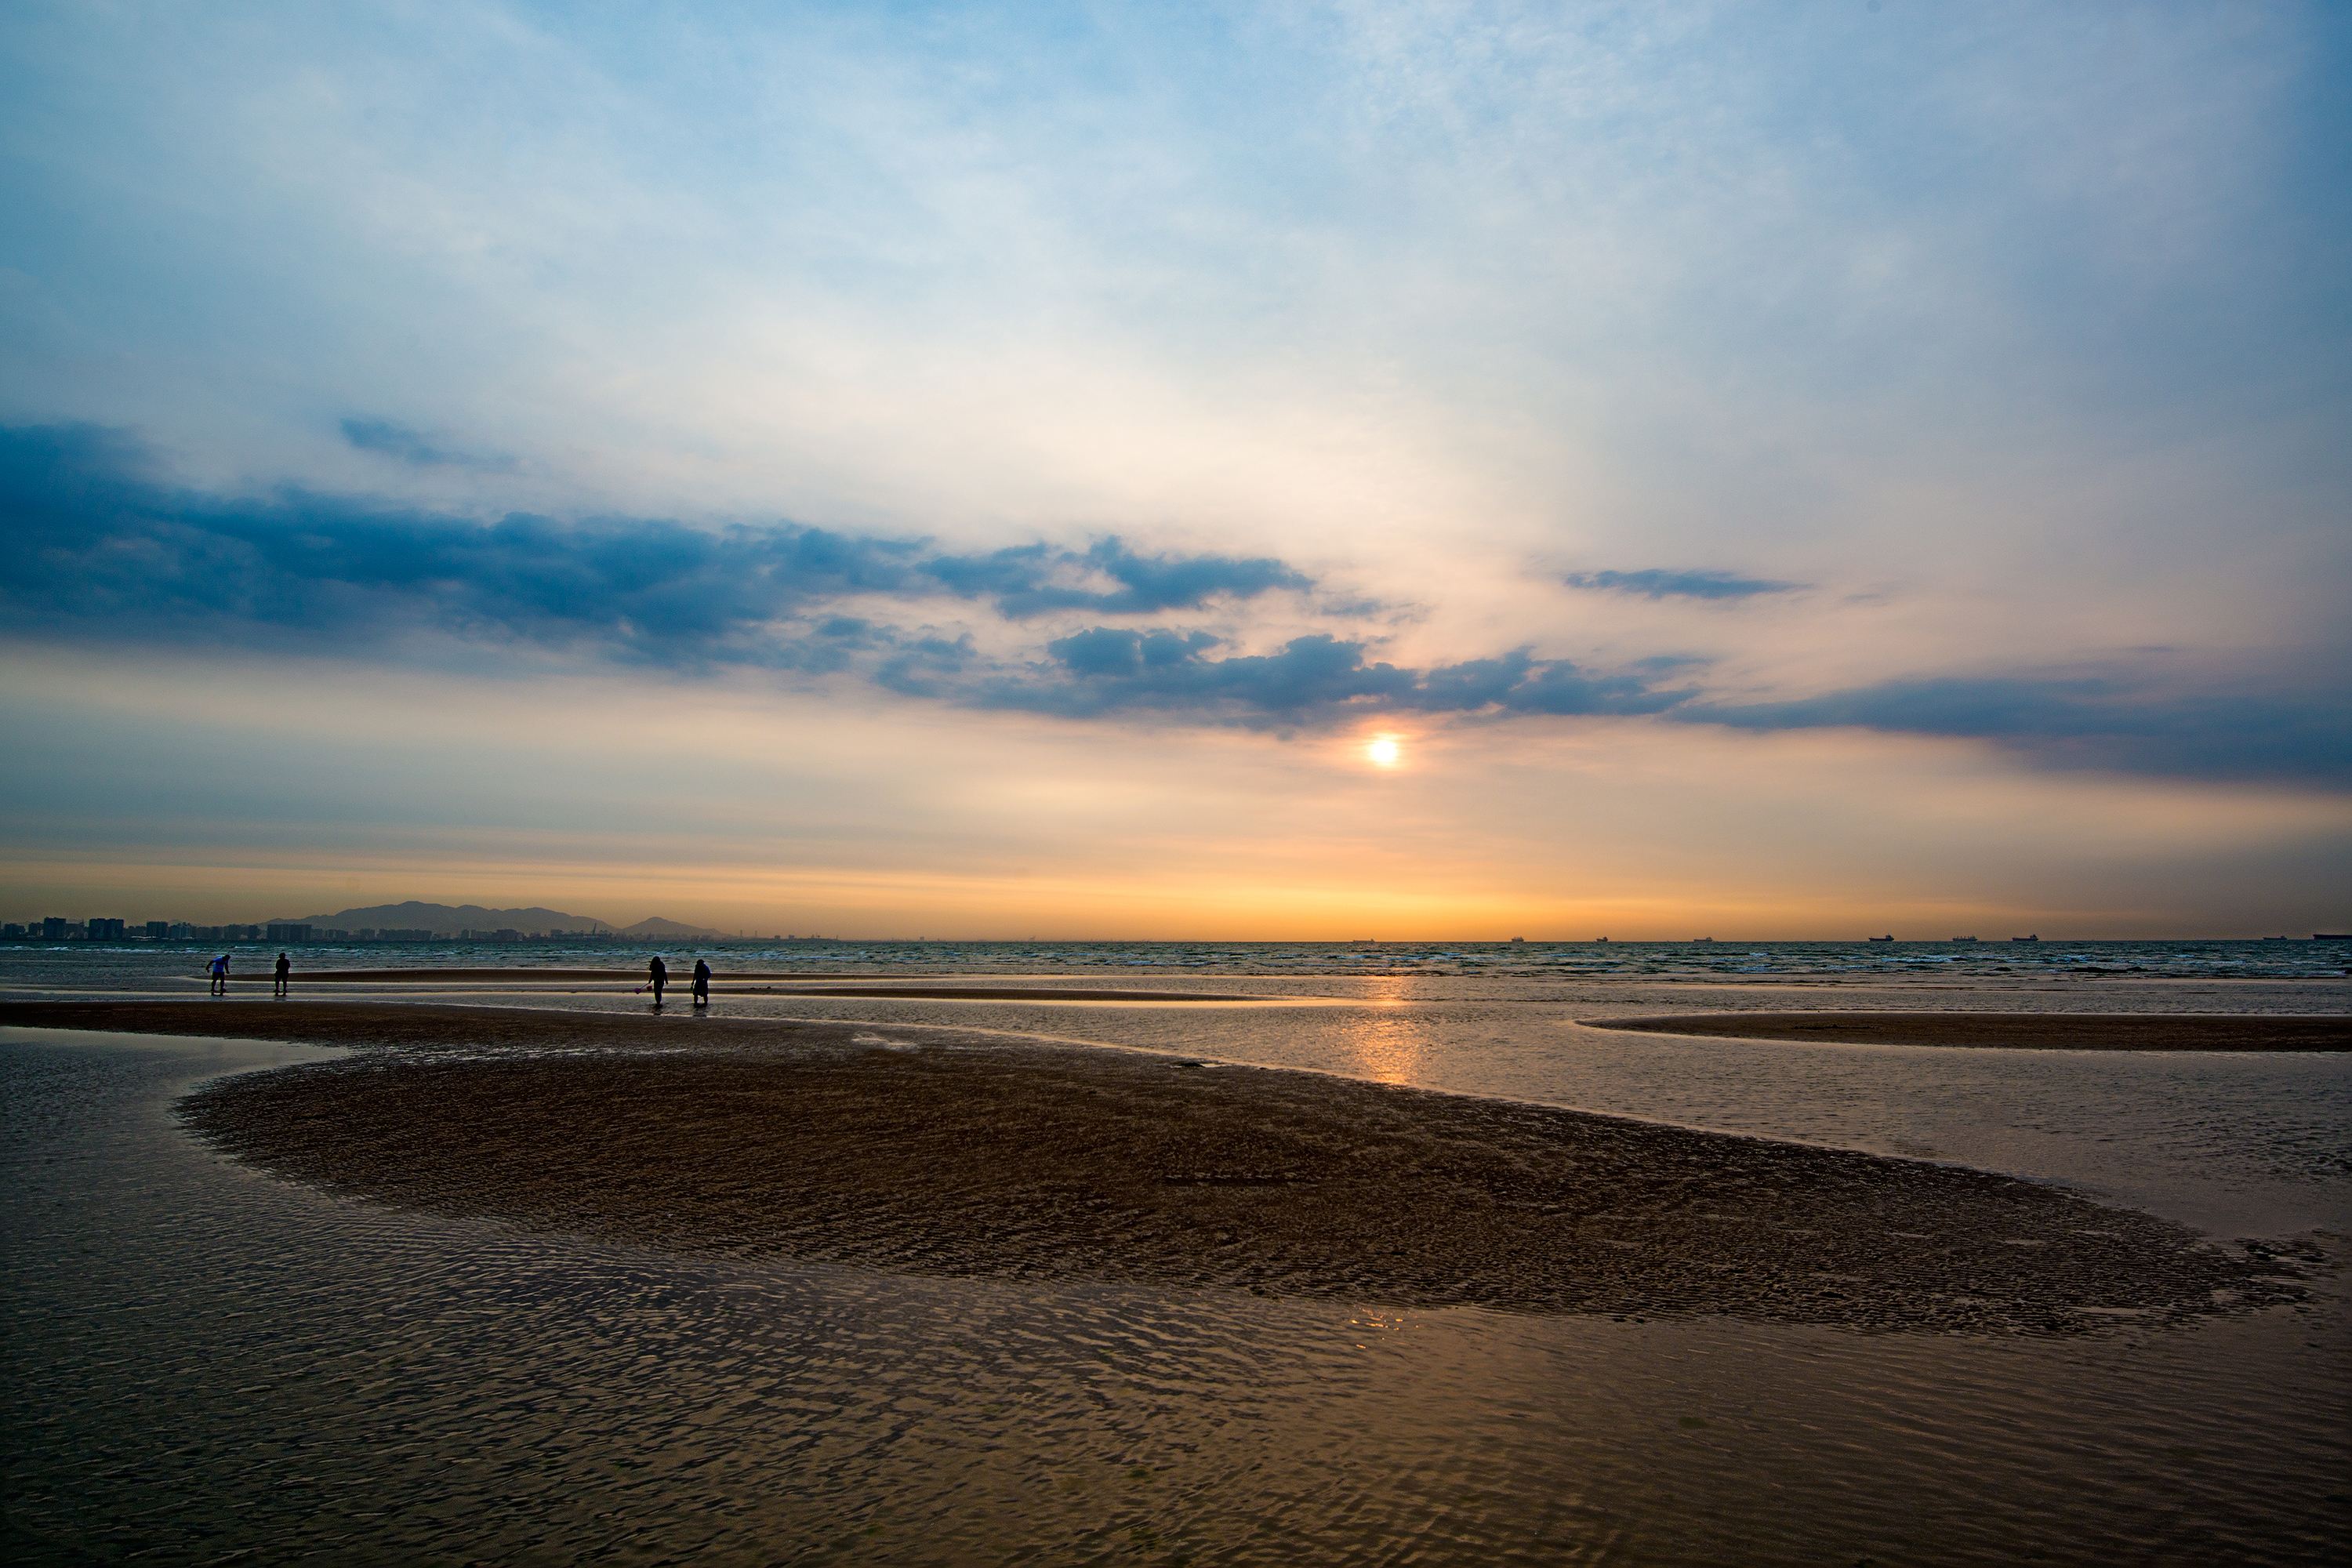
[2256,1144]
[197,1359]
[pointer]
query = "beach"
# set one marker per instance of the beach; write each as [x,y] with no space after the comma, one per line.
[975,1264]
[764,983]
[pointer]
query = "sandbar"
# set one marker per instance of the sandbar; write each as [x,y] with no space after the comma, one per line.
[2019,1031]
[966,1155]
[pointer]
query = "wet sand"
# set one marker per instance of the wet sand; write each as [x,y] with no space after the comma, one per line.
[498,973]
[2022,1031]
[935,991]
[969,1156]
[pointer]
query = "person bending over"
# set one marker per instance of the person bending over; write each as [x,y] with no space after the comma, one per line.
[219,972]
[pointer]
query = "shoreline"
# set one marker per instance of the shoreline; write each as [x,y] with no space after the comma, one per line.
[2214,1032]
[828,1143]
[680,981]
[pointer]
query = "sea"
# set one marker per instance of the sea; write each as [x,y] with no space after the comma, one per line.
[131,964]
[200,1362]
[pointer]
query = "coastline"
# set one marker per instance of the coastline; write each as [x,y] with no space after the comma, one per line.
[850,984]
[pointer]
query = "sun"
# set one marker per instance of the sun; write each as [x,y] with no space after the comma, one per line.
[1384,751]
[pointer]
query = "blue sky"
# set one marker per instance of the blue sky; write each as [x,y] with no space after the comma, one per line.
[1816,415]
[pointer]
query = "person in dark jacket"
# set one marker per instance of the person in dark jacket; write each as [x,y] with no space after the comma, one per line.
[283,972]
[701,983]
[657,976]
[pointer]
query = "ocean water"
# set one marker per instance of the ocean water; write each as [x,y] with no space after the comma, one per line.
[197,1361]
[112,964]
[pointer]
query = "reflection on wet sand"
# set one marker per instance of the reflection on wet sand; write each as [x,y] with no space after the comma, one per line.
[1387,1040]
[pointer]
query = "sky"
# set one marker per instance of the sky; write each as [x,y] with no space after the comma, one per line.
[1285,471]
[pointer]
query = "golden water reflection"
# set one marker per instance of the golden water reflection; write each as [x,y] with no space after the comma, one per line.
[1388,1040]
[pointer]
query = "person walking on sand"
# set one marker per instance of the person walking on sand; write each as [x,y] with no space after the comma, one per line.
[284,970]
[701,983]
[657,976]
[219,969]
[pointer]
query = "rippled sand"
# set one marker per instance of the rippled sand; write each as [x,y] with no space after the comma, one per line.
[2029,1031]
[981,1158]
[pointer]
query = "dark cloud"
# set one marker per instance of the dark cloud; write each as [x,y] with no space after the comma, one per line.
[402,444]
[1031,580]
[2109,723]
[98,545]
[1110,670]
[926,664]
[1317,678]
[1653,584]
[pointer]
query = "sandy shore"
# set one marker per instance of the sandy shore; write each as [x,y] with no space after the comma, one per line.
[968,1156]
[2029,1031]
[260,975]
[795,984]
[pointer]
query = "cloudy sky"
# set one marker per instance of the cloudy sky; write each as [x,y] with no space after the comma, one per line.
[1448,471]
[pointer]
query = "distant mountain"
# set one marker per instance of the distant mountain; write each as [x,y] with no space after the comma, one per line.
[654,925]
[449,919]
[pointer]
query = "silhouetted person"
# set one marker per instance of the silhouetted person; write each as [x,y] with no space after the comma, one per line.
[219,972]
[283,970]
[701,983]
[657,975]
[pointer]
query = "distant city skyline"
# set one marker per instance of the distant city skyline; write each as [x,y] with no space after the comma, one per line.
[58,927]
[1235,471]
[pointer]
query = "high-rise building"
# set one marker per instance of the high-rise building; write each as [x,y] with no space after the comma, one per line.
[96,929]
[53,928]
[158,931]
[288,931]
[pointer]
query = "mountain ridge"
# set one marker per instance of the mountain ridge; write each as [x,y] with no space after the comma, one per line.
[449,919]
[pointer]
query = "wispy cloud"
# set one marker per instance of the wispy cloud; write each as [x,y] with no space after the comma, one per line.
[1653,583]
[402,444]
[2107,722]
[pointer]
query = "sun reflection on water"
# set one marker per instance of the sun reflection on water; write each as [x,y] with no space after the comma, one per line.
[1386,1041]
